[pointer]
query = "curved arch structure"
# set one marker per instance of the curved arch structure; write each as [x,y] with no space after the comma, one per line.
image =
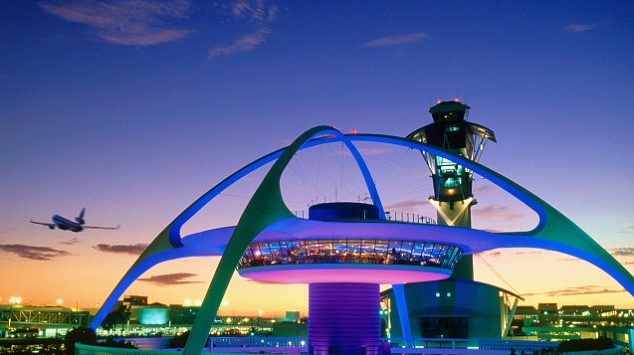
[266,215]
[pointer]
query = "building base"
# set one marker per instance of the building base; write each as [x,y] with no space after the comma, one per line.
[344,319]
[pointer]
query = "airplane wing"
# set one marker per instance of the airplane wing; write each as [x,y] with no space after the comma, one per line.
[50,225]
[95,227]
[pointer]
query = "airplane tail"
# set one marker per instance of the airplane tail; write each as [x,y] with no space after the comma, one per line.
[80,218]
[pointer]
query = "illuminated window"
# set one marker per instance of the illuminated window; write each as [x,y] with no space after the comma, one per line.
[452,128]
[367,251]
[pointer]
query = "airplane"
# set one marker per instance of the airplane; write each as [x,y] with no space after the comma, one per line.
[66,224]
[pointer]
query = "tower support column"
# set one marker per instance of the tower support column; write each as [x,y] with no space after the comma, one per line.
[344,318]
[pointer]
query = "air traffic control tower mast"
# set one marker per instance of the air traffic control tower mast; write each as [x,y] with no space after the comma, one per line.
[453,195]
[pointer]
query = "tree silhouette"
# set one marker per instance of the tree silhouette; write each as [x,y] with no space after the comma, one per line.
[82,335]
[119,315]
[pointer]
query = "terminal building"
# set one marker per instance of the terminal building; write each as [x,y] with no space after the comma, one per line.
[343,251]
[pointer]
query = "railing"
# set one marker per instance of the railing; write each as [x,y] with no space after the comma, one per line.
[257,342]
[43,315]
[397,216]
[390,216]
[274,345]
[81,349]
[480,344]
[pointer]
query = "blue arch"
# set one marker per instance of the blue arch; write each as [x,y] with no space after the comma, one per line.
[202,201]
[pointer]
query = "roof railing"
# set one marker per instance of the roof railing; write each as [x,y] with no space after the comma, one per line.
[390,216]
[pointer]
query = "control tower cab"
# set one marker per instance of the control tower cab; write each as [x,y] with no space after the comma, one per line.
[450,131]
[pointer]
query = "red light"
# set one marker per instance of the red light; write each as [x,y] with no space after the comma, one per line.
[438,101]
[456,100]
[354,131]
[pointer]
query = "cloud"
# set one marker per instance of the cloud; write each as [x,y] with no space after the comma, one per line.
[396,40]
[405,205]
[483,189]
[254,10]
[622,251]
[260,15]
[171,279]
[130,23]
[577,291]
[578,27]
[628,230]
[33,252]
[134,249]
[71,241]
[496,211]
[368,151]
[528,252]
[243,44]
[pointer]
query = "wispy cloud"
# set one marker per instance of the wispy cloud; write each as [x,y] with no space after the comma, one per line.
[260,15]
[483,189]
[243,44]
[528,252]
[33,252]
[628,230]
[622,251]
[405,205]
[177,278]
[368,151]
[577,291]
[131,22]
[396,40]
[580,27]
[134,249]
[496,211]
[493,253]
[71,241]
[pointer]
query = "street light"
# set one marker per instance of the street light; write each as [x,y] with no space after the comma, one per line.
[260,314]
[224,305]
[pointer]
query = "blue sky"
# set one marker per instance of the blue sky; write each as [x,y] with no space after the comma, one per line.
[134,108]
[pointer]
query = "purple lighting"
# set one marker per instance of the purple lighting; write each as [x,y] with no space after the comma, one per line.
[357,273]
[344,319]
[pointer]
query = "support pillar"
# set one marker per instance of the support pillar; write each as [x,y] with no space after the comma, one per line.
[344,318]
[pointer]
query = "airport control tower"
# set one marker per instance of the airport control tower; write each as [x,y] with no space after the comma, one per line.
[453,195]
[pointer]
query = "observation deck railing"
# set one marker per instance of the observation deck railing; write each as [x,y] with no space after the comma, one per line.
[390,216]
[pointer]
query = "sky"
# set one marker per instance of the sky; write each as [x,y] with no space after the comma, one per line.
[133,109]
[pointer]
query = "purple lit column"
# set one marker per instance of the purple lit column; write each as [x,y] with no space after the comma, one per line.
[343,318]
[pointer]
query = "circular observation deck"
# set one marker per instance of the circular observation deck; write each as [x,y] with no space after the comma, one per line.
[327,259]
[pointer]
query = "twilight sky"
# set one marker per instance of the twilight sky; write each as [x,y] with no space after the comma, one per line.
[133,109]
